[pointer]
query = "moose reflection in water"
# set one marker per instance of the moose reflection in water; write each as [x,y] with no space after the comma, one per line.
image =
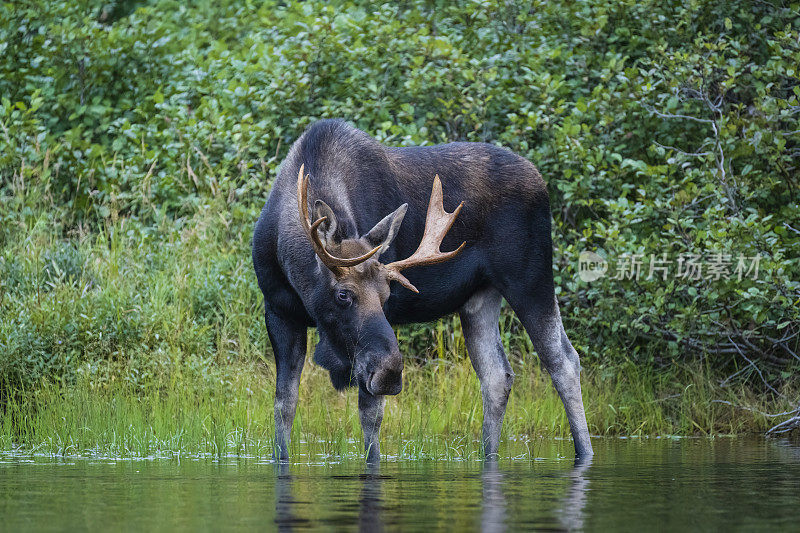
[377,510]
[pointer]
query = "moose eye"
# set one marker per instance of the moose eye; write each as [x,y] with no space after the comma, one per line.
[344,297]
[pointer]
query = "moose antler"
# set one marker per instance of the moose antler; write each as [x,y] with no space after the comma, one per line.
[437,224]
[332,262]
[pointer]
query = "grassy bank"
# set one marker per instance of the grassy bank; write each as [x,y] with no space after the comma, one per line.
[437,416]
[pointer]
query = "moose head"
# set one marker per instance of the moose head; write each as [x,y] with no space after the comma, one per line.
[357,345]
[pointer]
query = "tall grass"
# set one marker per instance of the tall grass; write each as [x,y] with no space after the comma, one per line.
[438,415]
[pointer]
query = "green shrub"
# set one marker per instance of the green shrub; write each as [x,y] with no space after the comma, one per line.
[661,128]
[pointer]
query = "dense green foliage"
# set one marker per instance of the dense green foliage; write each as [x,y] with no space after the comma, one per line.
[138,141]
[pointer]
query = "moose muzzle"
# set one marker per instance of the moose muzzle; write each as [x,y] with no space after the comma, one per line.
[382,373]
[387,379]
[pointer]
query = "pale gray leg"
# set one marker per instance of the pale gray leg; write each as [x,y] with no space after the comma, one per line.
[479,322]
[562,362]
[370,410]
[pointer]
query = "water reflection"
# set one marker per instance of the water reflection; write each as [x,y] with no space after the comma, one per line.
[685,484]
[286,504]
[297,497]
[493,514]
[569,512]
[370,510]
[572,511]
[288,508]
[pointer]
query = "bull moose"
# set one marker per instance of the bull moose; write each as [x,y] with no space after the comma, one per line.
[334,269]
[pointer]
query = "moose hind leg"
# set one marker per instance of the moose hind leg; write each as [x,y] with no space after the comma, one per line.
[543,324]
[370,411]
[289,345]
[479,322]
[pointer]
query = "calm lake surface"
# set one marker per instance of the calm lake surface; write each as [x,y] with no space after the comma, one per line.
[631,484]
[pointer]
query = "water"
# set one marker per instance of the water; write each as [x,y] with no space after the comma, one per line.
[631,485]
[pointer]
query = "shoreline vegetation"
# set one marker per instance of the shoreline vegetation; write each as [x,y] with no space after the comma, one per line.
[139,141]
[437,416]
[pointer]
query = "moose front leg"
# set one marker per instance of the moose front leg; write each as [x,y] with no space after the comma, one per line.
[370,410]
[288,341]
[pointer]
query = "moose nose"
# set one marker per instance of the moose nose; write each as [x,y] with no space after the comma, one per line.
[388,379]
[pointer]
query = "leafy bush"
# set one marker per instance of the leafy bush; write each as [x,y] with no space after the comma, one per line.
[662,127]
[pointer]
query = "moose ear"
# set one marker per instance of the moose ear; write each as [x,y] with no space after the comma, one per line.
[327,228]
[384,231]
